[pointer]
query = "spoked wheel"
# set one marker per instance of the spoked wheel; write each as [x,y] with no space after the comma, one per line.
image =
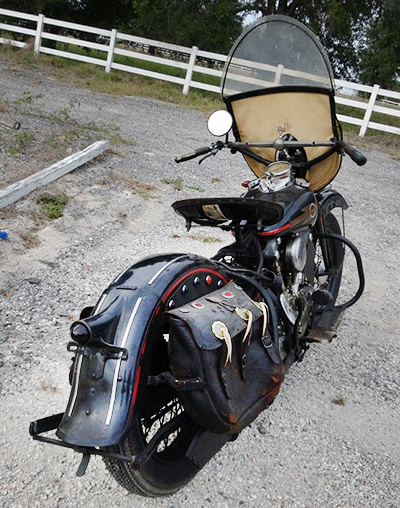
[168,469]
[328,267]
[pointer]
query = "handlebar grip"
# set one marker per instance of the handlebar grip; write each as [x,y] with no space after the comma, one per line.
[192,155]
[354,154]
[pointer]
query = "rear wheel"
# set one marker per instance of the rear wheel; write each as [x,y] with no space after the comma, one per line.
[168,469]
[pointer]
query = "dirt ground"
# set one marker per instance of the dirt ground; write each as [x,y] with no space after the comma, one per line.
[304,452]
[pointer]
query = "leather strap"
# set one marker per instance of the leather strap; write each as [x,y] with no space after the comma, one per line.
[179,385]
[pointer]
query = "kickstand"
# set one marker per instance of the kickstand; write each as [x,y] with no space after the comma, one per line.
[83,465]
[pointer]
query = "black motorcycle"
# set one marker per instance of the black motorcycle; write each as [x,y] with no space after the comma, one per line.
[181,353]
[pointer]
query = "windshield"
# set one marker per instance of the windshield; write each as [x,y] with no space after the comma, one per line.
[276,51]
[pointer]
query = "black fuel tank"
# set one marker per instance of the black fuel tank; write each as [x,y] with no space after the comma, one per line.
[298,203]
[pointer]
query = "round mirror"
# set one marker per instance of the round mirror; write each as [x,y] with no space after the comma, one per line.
[220,123]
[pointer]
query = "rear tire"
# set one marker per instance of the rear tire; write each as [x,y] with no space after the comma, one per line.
[168,469]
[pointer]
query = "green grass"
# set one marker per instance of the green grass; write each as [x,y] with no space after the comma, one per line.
[24,138]
[124,83]
[176,183]
[116,82]
[359,113]
[53,204]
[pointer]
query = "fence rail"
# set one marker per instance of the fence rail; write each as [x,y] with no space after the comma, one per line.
[178,59]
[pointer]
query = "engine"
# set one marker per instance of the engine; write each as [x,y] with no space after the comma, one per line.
[292,259]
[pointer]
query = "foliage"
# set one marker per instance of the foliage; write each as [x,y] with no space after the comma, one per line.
[380,58]
[100,13]
[53,204]
[212,25]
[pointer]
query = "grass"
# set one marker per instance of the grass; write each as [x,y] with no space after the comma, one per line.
[123,83]
[340,401]
[53,204]
[116,82]
[178,185]
[24,138]
[145,190]
[375,117]
[199,238]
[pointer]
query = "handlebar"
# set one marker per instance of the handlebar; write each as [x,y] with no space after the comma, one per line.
[192,155]
[279,144]
[354,154]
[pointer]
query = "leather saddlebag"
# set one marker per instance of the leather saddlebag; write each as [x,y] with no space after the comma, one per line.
[226,367]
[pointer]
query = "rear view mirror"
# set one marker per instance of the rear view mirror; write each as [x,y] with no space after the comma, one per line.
[220,123]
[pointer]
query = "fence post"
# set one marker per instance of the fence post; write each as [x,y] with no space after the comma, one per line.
[189,72]
[38,36]
[368,111]
[278,74]
[111,48]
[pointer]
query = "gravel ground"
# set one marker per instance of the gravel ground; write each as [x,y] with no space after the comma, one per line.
[305,451]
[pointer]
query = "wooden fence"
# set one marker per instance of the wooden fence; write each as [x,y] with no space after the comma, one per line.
[184,61]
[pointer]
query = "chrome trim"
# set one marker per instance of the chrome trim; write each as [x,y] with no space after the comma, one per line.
[118,365]
[75,394]
[118,276]
[163,268]
[99,304]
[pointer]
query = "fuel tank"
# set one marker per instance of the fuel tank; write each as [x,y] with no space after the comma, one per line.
[298,203]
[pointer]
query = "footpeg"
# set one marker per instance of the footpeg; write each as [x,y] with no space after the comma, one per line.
[325,325]
[322,297]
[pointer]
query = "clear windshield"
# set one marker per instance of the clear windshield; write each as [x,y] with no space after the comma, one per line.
[276,51]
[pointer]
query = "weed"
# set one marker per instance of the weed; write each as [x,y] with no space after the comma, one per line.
[199,238]
[61,117]
[116,139]
[208,239]
[54,204]
[47,387]
[29,240]
[145,190]
[24,138]
[340,401]
[177,183]
[27,98]
[13,151]
[199,189]
[143,194]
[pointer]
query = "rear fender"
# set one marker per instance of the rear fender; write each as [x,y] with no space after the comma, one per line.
[105,392]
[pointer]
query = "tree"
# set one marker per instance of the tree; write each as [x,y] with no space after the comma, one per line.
[97,13]
[380,56]
[212,25]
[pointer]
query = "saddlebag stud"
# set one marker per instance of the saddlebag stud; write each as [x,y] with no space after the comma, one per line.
[198,305]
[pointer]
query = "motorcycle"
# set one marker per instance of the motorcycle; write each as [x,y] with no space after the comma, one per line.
[181,353]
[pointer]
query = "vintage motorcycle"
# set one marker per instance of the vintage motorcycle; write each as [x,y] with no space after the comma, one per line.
[181,353]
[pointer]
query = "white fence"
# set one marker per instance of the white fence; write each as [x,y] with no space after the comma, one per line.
[111,43]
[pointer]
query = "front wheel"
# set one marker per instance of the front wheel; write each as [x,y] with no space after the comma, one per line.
[329,259]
